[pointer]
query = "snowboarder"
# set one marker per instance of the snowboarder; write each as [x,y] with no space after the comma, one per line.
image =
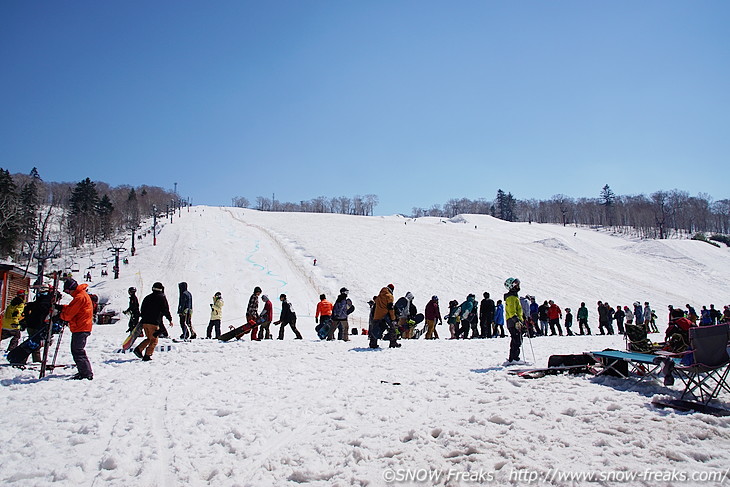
[154,308]
[499,320]
[252,312]
[185,311]
[133,309]
[384,318]
[323,318]
[405,310]
[340,311]
[515,318]
[80,316]
[288,317]
[216,313]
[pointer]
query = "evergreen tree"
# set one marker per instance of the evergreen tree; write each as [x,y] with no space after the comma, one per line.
[608,198]
[29,205]
[104,209]
[83,211]
[9,214]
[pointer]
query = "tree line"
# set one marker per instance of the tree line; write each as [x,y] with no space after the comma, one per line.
[662,214]
[357,205]
[32,210]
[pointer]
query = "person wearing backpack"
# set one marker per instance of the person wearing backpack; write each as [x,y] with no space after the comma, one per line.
[404,311]
[341,309]
[288,317]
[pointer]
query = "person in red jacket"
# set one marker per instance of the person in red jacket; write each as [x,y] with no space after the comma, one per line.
[80,316]
[554,314]
[433,317]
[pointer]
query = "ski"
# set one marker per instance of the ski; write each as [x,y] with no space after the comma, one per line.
[49,334]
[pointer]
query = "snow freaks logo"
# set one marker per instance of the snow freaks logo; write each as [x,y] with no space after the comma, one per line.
[424,475]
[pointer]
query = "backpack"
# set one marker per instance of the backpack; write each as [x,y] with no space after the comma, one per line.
[401,308]
[339,311]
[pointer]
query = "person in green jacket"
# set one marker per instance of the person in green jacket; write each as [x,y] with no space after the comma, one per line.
[515,317]
[583,318]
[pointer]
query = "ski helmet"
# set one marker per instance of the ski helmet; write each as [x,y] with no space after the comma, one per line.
[511,283]
[132,290]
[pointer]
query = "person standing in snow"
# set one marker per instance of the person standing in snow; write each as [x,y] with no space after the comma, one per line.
[384,318]
[465,310]
[323,316]
[542,316]
[133,309]
[340,311]
[154,308]
[11,320]
[499,320]
[639,316]
[628,315]
[486,315]
[185,311]
[80,316]
[288,317]
[650,322]
[216,314]
[515,317]
[619,316]
[568,322]
[554,315]
[252,312]
[432,315]
[583,319]
[266,317]
[404,311]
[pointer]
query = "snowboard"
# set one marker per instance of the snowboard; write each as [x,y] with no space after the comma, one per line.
[687,406]
[323,329]
[415,321]
[237,333]
[539,373]
[132,337]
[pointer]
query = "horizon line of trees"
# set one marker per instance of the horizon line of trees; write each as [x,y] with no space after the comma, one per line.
[357,205]
[33,210]
[662,214]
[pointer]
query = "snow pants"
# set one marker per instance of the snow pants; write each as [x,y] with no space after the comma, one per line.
[78,351]
[515,342]
[14,336]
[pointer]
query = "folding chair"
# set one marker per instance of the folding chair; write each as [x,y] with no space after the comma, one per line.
[622,364]
[707,376]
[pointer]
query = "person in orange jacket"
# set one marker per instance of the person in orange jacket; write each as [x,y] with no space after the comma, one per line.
[323,316]
[80,316]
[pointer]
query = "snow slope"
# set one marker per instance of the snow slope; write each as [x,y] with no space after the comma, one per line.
[335,413]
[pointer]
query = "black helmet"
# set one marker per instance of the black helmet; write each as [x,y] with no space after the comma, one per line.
[132,290]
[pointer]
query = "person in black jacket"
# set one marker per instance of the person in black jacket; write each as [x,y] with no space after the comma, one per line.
[288,317]
[154,308]
[486,316]
[133,309]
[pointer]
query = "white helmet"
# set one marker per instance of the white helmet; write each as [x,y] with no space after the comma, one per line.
[511,283]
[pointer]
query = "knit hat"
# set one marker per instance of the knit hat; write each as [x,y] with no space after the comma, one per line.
[158,287]
[70,285]
[391,287]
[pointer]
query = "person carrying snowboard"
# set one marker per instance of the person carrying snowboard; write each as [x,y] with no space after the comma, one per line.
[79,314]
[340,311]
[216,313]
[133,310]
[384,318]
[288,317]
[154,308]
[323,316]
[404,311]
[515,318]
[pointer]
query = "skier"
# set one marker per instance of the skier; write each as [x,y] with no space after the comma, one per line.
[252,312]
[154,308]
[583,319]
[384,318]
[486,315]
[433,317]
[515,318]
[323,317]
[288,317]
[11,320]
[266,318]
[216,313]
[80,316]
[133,310]
[185,311]
[341,309]
[36,313]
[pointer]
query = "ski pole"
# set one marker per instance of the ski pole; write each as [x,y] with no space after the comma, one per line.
[58,345]
[529,339]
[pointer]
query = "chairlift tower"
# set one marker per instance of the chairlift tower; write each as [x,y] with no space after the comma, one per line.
[116,251]
[42,250]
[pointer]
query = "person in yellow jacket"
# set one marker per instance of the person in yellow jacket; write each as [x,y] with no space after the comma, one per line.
[11,320]
[384,318]
[515,317]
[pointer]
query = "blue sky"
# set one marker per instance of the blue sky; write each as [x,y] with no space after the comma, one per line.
[415,101]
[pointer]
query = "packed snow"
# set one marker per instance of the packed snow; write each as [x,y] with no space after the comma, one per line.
[311,412]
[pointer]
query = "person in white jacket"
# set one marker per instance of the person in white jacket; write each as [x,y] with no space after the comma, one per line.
[216,312]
